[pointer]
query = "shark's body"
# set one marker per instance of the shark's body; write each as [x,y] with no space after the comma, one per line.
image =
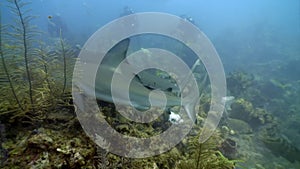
[140,87]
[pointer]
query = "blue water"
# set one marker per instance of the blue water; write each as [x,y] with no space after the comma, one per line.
[240,23]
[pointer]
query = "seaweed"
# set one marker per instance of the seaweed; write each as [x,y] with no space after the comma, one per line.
[62,43]
[206,155]
[6,69]
[33,71]
[44,61]
[26,36]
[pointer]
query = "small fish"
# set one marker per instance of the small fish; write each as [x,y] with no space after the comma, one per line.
[228,100]
[175,118]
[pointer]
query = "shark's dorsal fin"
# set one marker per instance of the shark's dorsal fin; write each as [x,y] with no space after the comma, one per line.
[116,54]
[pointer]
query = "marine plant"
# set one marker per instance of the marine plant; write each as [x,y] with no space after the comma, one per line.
[206,155]
[17,60]
[24,35]
[32,80]
[5,69]
[62,43]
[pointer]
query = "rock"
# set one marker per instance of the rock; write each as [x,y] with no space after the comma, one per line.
[229,148]
[279,144]
[40,140]
[239,126]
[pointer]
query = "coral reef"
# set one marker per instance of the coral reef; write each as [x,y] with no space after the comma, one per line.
[254,123]
[255,117]
[279,144]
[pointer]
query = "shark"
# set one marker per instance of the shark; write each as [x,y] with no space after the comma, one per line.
[141,85]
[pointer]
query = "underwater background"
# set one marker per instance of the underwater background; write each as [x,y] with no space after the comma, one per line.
[258,42]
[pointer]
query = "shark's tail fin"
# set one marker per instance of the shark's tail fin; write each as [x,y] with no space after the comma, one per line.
[190,108]
[190,104]
[189,76]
